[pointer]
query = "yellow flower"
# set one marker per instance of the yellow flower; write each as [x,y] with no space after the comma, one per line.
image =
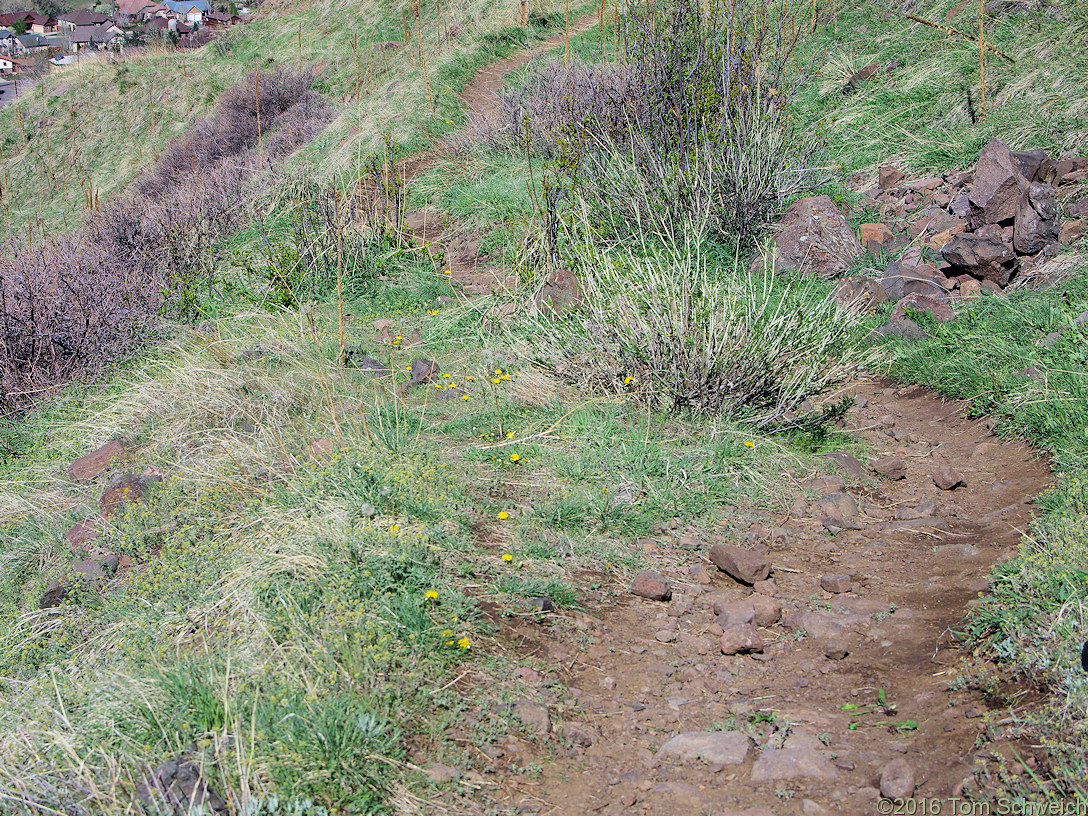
[470,378]
[509,434]
[507,557]
[505,377]
[394,528]
[498,371]
[464,643]
[430,594]
[749,443]
[447,633]
[464,396]
[446,272]
[495,380]
[628,380]
[407,368]
[503,516]
[447,376]
[514,457]
[449,642]
[433,311]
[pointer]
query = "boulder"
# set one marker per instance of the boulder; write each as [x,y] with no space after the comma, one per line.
[890,467]
[651,585]
[858,294]
[741,639]
[812,236]
[711,747]
[888,177]
[745,566]
[1032,164]
[1037,223]
[938,309]
[93,464]
[897,780]
[800,757]
[982,255]
[998,186]
[1070,232]
[948,478]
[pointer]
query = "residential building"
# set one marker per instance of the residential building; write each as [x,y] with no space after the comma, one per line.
[190,12]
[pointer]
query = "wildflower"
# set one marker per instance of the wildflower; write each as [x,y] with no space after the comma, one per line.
[505,377]
[507,557]
[470,378]
[514,457]
[498,371]
[446,272]
[430,594]
[510,435]
[748,443]
[464,396]
[449,642]
[407,368]
[464,643]
[628,380]
[433,311]
[495,380]
[394,528]
[503,516]
[447,633]
[447,376]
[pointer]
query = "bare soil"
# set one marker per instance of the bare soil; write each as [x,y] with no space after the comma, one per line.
[627,674]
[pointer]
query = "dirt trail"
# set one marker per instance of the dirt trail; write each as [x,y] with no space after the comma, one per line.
[453,247]
[869,574]
[642,672]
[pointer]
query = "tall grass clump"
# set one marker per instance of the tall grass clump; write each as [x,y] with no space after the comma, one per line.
[691,123]
[681,324]
[70,305]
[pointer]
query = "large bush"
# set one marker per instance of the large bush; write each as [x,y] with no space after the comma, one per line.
[692,122]
[81,299]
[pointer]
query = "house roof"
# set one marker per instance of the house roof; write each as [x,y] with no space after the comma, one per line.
[31,17]
[131,8]
[6,35]
[184,6]
[221,16]
[83,17]
[33,41]
[97,34]
[159,24]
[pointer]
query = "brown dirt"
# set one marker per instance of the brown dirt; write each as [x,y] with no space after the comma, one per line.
[610,676]
[627,674]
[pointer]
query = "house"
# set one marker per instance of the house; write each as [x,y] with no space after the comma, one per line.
[6,65]
[80,17]
[161,26]
[139,11]
[62,59]
[97,36]
[188,11]
[8,43]
[217,19]
[31,44]
[33,22]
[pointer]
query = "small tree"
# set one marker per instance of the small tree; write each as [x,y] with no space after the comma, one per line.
[19,27]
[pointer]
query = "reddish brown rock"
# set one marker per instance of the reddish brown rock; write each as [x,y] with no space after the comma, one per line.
[836,584]
[651,585]
[938,309]
[94,464]
[126,488]
[81,533]
[1037,223]
[560,292]
[745,566]
[860,77]
[891,467]
[981,255]
[741,639]
[812,236]
[998,186]
[889,177]
[948,478]
[1070,232]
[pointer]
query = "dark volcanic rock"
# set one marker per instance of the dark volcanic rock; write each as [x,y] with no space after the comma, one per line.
[998,186]
[1037,222]
[812,236]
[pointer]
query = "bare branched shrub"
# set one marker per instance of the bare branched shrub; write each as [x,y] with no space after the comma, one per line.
[72,304]
[697,112]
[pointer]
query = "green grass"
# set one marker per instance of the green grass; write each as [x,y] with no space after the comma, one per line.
[918,114]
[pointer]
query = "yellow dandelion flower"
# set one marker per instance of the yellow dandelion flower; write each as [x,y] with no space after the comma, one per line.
[446,272]
[498,371]
[505,377]
[449,642]
[430,594]
[507,557]
[495,380]
[503,516]
[447,376]
[470,378]
[509,434]
[394,528]
[628,380]
[464,643]
[447,633]
[748,443]
[464,396]
[433,311]
[514,457]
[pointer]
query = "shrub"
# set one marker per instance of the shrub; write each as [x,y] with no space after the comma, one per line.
[684,331]
[692,123]
[87,297]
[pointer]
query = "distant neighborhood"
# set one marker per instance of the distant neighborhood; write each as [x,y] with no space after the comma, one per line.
[31,42]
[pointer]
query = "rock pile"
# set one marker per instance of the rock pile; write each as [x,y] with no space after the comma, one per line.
[955,235]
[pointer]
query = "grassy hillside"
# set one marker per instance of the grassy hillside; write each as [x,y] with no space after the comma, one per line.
[318,586]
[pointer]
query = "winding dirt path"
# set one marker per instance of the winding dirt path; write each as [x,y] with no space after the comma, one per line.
[870,574]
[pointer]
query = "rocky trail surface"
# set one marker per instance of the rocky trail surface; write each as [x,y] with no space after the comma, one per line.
[803,669]
[808,666]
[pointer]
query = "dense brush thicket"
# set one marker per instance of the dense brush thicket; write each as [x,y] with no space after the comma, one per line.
[690,124]
[70,304]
